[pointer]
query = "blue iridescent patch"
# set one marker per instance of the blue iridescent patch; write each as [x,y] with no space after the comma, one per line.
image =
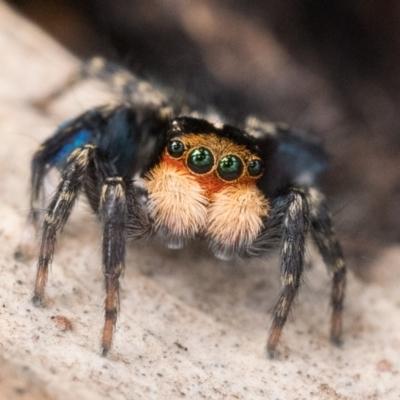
[305,160]
[79,140]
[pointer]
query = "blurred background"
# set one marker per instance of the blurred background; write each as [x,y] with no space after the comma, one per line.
[328,67]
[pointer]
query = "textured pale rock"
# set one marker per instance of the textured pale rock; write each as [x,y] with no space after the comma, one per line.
[190,326]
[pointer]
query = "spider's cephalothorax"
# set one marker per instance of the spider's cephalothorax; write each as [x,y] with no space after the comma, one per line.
[204,185]
[244,191]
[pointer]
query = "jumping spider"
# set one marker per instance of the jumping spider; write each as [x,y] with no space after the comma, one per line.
[150,166]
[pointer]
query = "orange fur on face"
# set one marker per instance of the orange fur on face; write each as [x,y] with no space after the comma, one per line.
[234,217]
[184,204]
[177,203]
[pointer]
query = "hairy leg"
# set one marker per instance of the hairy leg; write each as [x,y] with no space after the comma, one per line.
[58,212]
[294,231]
[330,249]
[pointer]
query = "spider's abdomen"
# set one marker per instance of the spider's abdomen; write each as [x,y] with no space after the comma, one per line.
[128,140]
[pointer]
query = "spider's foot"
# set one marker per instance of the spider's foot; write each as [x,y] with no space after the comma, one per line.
[336,328]
[337,341]
[273,340]
[272,353]
[37,300]
[108,331]
[104,352]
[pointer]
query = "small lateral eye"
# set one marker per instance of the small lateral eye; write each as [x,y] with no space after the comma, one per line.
[200,160]
[230,168]
[175,148]
[255,167]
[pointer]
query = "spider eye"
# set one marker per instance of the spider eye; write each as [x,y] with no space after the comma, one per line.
[175,148]
[200,160]
[230,168]
[255,167]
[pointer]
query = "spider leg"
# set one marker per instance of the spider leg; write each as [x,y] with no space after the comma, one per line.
[25,248]
[330,249]
[40,165]
[120,80]
[58,212]
[122,216]
[294,229]
[115,202]
[113,212]
[117,131]
[54,152]
[139,225]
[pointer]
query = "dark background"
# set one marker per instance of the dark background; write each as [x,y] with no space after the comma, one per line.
[329,67]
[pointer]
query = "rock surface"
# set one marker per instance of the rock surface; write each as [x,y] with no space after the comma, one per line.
[190,326]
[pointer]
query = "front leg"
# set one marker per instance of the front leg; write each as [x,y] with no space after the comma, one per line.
[113,212]
[58,212]
[294,230]
[46,157]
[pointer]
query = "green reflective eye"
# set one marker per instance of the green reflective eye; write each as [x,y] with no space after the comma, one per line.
[255,167]
[175,148]
[230,168]
[200,160]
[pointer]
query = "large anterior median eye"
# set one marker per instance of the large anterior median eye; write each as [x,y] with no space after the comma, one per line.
[230,168]
[175,148]
[200,160]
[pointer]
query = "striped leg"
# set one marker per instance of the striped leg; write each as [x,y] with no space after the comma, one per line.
[329,247]
[39,168]
[58,213]
[113,212]
[294,230]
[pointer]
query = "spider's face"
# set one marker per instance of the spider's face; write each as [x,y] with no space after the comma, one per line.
[205,184]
